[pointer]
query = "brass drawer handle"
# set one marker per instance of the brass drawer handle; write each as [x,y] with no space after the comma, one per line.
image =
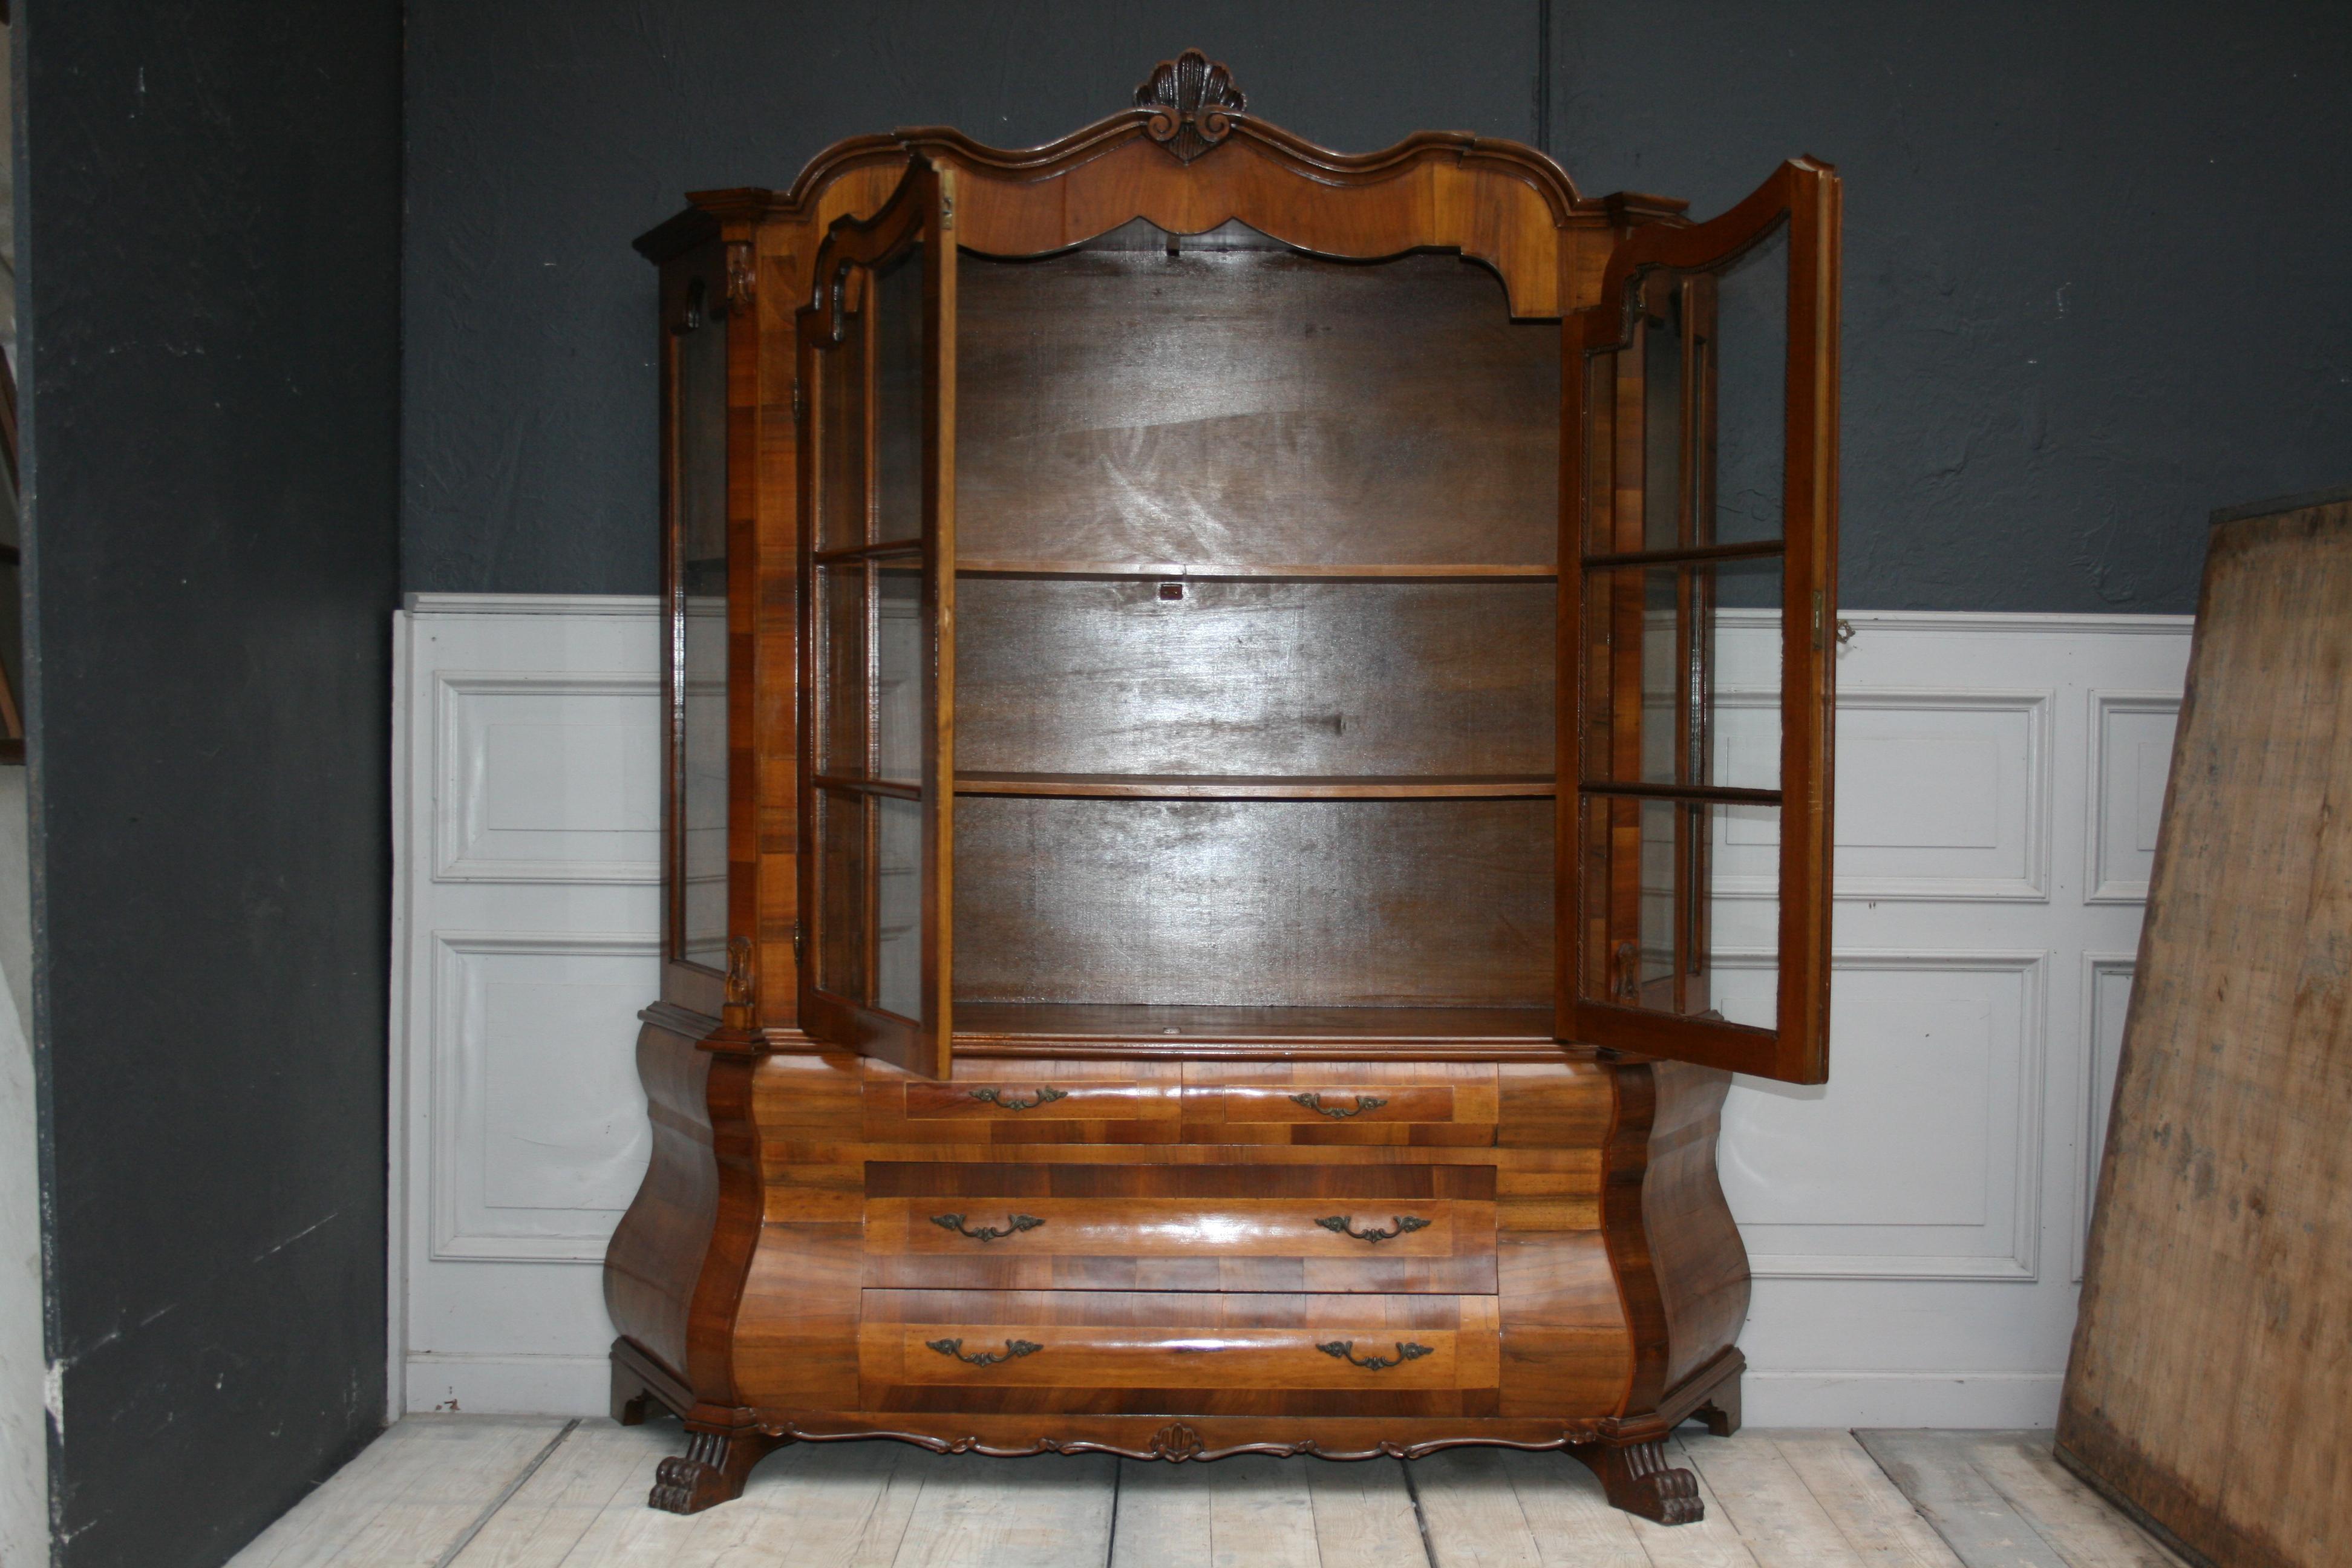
[995,1097]
[1314,1102]
[1346,1351]
[1403,1224]
[1014,1350]
[1013,1226]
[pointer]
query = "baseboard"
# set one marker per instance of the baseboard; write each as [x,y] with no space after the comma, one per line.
[509,1384]
[580,1385]
[1977,1400]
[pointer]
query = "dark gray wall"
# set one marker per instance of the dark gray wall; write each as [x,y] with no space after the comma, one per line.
[2098,262]
[542,139]
[2094,264]
[209,250]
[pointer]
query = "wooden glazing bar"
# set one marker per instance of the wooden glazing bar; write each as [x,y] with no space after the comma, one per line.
[891,787]
[911,549]
[1743,551]
[1720,795]
[1172,786]
[1410,572]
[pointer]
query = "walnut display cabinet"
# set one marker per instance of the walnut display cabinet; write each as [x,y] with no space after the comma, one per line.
[1249,749]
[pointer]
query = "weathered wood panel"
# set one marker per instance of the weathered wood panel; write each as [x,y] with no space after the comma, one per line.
[2211,1384]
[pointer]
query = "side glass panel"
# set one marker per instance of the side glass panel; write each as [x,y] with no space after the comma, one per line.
[901,354]
[700,498]
[874,363]
[844,859]
[844,429]
[1683,674]
[845,670]
[898,906]
[1691,443]
[1665,429]
[1683,694]
[1747,348]
[898,670]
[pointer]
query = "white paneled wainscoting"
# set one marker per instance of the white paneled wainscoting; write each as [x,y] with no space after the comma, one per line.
[1917,1226]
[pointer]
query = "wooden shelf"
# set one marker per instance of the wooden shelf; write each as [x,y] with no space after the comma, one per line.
[1205,786]
[982,1023]
[1165,571]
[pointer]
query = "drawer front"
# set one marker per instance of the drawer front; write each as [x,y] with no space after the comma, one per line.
[1379,1229]
[1005,1102]
[1425,1104]
[1116,1351]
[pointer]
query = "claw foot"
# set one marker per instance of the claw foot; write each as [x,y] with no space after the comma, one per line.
[1638,1480]
[711,1471]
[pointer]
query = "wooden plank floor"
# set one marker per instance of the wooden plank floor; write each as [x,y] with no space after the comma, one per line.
[509,1492]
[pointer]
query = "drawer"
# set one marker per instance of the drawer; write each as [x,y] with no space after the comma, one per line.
[1429,1104]
[1002,1102]
[1373,1229]
[1111,1352]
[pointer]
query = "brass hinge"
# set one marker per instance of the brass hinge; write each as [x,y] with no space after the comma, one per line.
[1817,617]
[796,942]
[796,400]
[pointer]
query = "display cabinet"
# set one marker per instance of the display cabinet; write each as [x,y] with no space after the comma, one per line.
[1249,741]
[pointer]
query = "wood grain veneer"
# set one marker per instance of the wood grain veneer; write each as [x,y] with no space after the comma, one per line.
[1305,903]
[1206,582]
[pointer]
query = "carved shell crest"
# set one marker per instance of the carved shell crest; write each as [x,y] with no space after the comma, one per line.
[1194,103]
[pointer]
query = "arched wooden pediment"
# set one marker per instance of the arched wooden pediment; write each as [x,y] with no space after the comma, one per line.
[1189,158]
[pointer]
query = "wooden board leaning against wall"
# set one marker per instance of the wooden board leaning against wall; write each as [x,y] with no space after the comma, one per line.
[2211,1384]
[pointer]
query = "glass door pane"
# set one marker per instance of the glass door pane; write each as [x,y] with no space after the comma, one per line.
[880,584]
[1704,550]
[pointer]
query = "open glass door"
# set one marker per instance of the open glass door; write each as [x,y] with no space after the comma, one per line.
[877,438]
[1698,616]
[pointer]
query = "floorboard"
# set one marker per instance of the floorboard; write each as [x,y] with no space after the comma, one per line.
[2089,1532]
[1999,1500]
[1879,1524]
[1051,1511]
[1364,1515]
[1803,1498]
[406,1496]
[491,1492]
[1250,1510]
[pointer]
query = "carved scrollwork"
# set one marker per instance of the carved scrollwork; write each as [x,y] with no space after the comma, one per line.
[710,1471]
[741,280]
[739,972]
[1194,103]
[1636,1478]
[1176,1443]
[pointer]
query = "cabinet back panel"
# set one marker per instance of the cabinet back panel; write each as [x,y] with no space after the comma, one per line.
[1265,903]
[1359,677]
[1253,405]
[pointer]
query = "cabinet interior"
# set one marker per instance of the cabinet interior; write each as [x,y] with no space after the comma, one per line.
[1255,646]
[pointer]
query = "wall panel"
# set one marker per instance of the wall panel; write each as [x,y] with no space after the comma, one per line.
[1914,1225]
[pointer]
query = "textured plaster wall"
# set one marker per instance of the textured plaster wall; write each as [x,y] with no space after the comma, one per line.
[209,203]
[542,139]
[2094,259]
